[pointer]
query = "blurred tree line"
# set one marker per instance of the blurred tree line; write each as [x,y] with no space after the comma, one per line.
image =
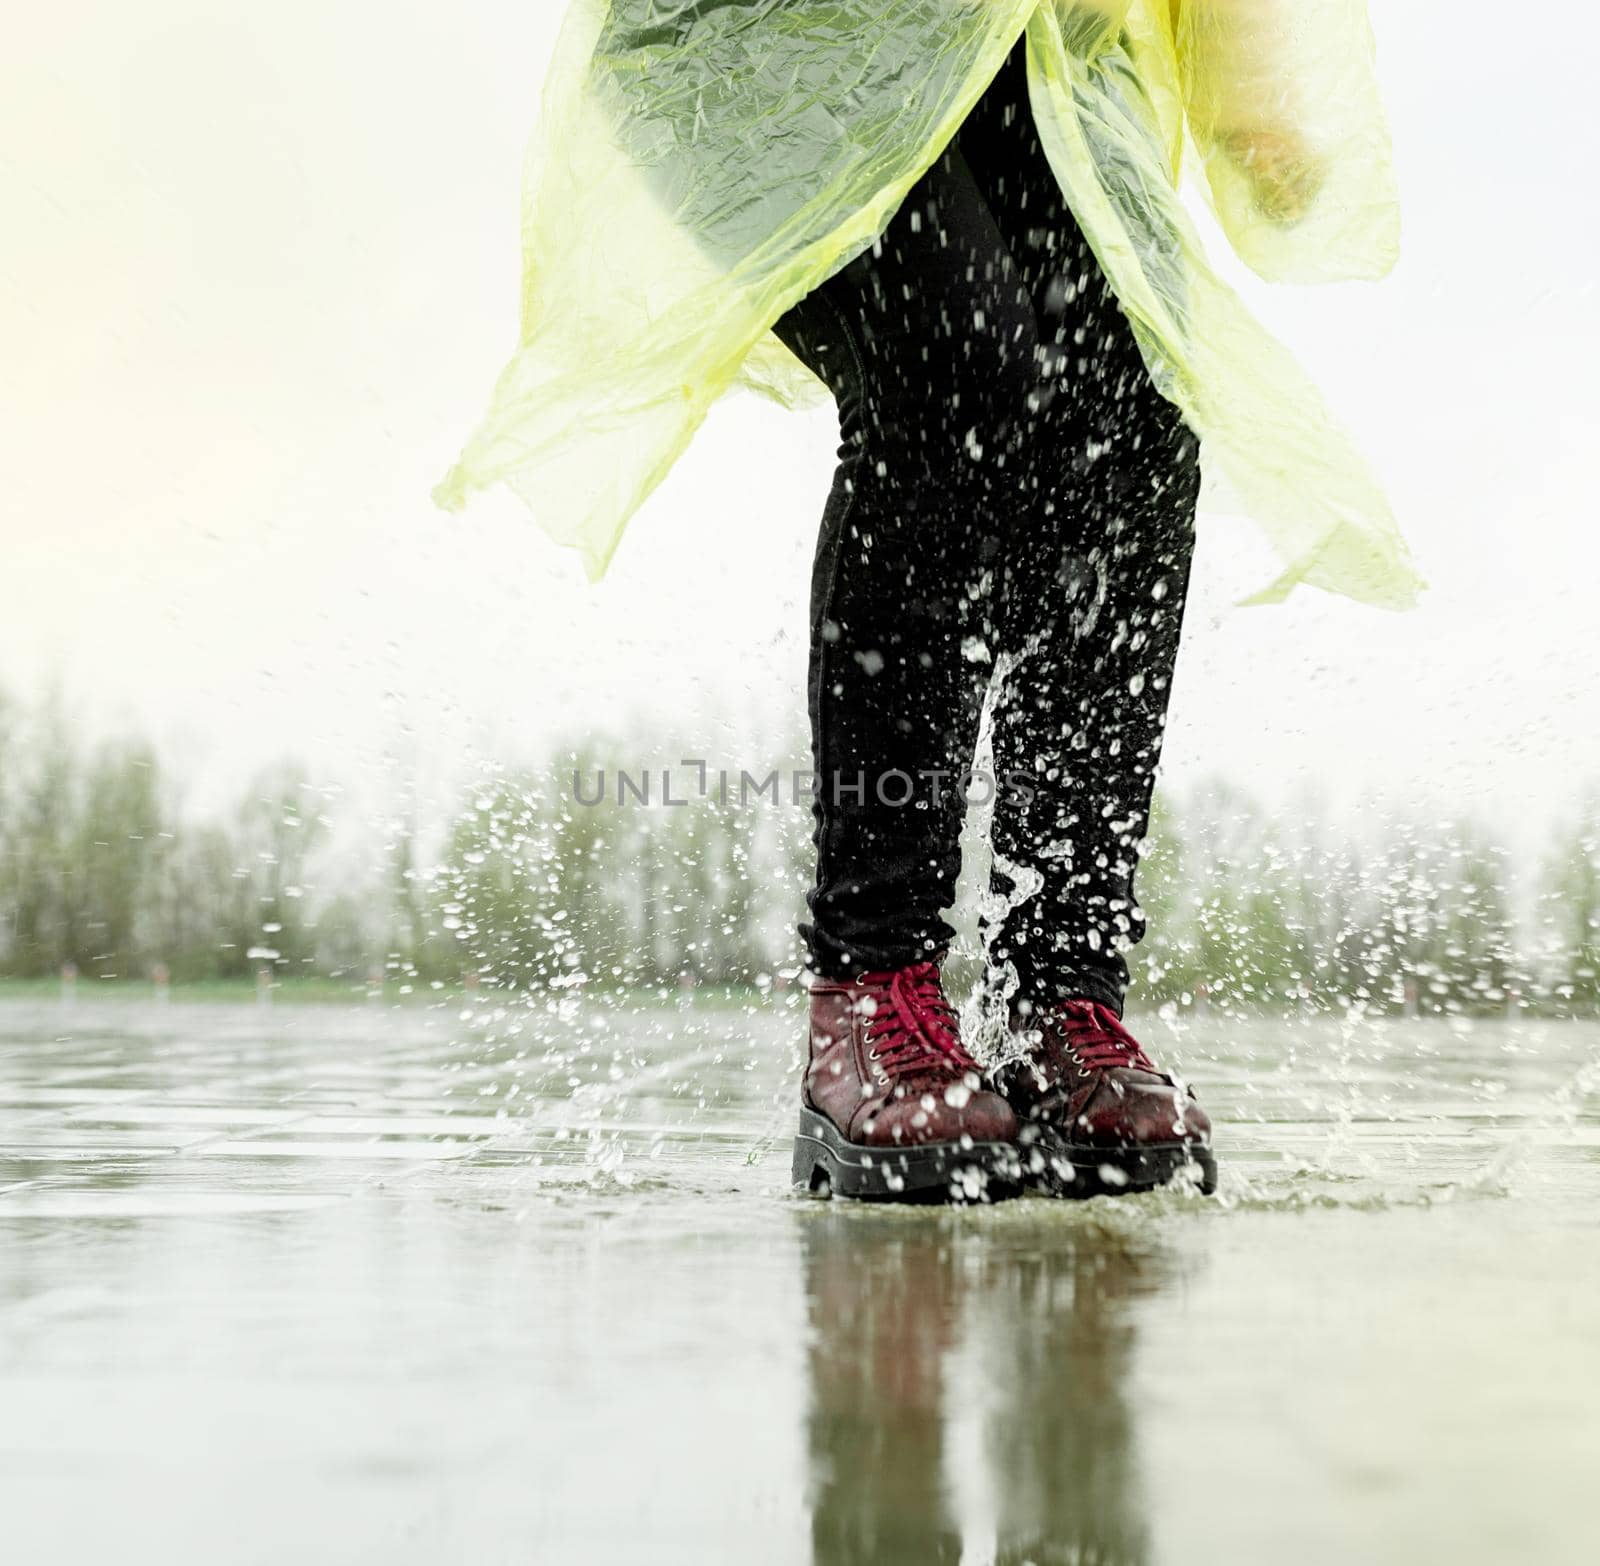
[103,868]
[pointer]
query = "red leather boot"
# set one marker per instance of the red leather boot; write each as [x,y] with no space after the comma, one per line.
[1101,1115]
[892,1107]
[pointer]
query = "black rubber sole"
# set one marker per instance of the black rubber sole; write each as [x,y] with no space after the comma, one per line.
[1072,1170]
[826,1164]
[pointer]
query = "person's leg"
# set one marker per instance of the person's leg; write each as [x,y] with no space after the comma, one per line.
[928,342]
[1095,577]
[1095,573]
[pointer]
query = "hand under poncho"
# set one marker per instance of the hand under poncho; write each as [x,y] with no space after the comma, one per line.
[701,165]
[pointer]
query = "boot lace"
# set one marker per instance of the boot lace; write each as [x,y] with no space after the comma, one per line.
[1096,1039]
[913,1031]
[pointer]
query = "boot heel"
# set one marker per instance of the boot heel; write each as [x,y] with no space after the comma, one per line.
[826,1164]
[811,1171]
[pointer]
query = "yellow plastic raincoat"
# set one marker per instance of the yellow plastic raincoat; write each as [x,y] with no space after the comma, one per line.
[703,164]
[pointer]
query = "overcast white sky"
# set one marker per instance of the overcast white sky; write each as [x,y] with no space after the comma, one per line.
[259,267]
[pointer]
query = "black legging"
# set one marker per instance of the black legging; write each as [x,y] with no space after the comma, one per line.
[1010,487]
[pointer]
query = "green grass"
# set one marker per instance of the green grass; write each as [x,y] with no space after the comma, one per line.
[315,990]
[311,991]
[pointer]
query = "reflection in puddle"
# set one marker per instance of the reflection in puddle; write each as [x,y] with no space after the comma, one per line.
[970,1394]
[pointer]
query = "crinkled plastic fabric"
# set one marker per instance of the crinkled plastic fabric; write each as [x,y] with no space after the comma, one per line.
[701,165]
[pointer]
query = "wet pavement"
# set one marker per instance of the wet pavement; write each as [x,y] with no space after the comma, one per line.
[408,1285]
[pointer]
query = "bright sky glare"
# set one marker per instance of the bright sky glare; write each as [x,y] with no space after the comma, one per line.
[258,273]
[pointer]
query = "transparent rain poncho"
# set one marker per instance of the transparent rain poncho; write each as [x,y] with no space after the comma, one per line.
[703,164]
